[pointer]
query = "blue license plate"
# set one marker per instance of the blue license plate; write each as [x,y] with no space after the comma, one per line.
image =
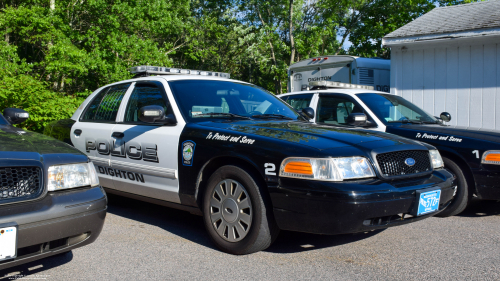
[428,202]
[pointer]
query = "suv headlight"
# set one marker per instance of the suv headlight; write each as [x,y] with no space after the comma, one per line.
[437,161]
[327,169]
[72,175]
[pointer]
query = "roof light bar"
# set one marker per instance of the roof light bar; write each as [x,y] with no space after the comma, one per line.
[168,71]
[331,84]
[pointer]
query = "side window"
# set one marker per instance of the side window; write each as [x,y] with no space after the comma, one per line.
[299,102]
[334,110]
[104,107]
[143,95]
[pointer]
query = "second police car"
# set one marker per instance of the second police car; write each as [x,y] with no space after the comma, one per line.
[249,163]
[472,154]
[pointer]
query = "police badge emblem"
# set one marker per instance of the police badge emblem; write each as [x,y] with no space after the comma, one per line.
[188,152]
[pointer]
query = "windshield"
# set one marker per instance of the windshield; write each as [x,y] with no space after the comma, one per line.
[202,99]
[392,108]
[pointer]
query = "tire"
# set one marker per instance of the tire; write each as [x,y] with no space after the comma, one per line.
[238,219]
[463,195]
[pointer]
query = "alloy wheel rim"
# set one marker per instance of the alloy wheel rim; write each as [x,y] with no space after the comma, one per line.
[231,210]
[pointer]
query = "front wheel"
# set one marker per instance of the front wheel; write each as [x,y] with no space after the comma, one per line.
[237,218]
[462,196]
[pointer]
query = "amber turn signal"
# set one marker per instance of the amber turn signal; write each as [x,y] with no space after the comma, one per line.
[296,167]
[493,157]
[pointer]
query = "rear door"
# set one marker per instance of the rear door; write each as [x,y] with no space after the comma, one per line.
[91,134]
[144,156]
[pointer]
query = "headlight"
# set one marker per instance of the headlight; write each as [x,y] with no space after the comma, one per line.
[326,169]
[73,175]
[437,161]
[491,157]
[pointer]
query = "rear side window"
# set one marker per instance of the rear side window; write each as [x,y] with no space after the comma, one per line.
[299,102]
[104,107]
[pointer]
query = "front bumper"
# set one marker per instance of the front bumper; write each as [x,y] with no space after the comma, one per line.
[355,206]
[57,223]
[487,181]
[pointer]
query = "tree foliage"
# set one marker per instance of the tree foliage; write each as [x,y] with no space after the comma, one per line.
[52,57]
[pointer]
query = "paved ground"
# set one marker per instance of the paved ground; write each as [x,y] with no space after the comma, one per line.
[141,241]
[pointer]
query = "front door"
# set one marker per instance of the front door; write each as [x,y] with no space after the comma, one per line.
[145,155]
[333,109]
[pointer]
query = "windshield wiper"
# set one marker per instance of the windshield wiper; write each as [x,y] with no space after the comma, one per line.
[406,121]
[269,116]
[221,114]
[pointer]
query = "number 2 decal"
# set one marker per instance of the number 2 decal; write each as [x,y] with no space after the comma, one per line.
[270,169]
[476,152]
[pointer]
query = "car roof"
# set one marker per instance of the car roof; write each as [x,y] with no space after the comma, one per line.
[335,91]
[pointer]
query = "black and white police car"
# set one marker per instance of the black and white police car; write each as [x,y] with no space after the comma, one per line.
[472,154]
[248,162]
[50,198]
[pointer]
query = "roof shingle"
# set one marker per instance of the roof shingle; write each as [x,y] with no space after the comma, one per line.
[480,15]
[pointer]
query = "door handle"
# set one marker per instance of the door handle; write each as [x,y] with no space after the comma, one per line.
[77,132]
[117,134]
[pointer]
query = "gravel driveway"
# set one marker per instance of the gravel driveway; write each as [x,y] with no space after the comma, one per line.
[148,242]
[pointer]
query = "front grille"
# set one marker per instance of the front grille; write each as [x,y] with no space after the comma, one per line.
[393,163]
[19,182]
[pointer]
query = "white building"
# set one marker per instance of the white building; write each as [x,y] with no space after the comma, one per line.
[449,60]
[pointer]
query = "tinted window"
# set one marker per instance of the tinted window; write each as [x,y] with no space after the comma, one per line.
[334,110]
[197,99]
[299,102]
[392,108]
[143,95]
[104,107]
[3,121]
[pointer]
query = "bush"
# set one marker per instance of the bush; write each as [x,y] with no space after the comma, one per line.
[44,106]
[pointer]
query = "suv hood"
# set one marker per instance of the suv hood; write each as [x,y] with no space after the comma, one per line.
[316,136]
[16,140]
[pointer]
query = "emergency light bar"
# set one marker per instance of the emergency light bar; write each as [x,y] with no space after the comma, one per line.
[330,84]
[176,71]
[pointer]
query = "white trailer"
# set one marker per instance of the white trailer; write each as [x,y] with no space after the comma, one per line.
[346,69]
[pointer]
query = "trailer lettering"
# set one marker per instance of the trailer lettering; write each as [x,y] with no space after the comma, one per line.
[324,78]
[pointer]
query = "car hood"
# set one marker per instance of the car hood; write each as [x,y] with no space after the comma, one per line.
[19,141]
[312,135]
[457,131]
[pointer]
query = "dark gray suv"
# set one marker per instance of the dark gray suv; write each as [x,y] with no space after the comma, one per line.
[50,198]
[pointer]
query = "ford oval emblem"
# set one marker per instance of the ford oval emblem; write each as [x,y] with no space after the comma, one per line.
[410,161]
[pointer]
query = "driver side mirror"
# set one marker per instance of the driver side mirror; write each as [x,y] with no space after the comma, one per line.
[309,112]
[357,119]
[445,116]
[15,115]
[155,114]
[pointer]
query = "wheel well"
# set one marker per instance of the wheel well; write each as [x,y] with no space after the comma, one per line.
[465,168]
[214,164]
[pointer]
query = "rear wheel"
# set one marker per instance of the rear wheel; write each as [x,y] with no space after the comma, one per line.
[462,196]
[237,218]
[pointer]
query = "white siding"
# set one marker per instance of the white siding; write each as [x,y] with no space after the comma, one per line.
[429,80]
[463,80]
[489,118]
